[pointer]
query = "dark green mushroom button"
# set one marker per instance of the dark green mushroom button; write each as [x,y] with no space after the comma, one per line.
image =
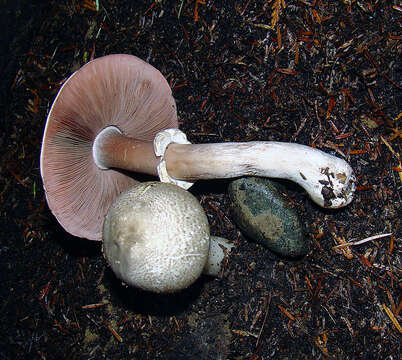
[265,216]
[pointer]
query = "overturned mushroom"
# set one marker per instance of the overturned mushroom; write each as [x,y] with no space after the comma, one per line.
[120,91]
[156,237]
[117,112]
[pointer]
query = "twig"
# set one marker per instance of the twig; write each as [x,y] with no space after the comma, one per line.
[392,317]
[113,331]
[374,237]
[180,9]
[265,319]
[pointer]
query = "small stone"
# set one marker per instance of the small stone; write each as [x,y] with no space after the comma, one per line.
[265,216]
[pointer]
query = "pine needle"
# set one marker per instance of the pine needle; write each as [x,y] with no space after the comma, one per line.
[276,11]
[358,242]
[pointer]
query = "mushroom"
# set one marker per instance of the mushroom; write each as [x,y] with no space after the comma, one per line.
[156,237]
[117,112]
[122,94]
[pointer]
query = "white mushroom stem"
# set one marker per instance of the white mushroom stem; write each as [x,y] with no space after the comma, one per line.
[218,248]
[328,180]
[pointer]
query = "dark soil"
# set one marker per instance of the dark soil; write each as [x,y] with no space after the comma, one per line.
[320,73]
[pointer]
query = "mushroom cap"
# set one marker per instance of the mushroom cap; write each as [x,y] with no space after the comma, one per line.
[119,90]
[156,237]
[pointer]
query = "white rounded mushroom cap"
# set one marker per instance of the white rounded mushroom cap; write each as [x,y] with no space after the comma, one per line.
[156,237]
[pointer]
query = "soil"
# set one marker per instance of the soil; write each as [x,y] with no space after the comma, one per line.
[320,73]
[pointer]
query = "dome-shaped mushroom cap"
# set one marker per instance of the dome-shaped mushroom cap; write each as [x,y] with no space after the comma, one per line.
[156,237]
[119,90]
